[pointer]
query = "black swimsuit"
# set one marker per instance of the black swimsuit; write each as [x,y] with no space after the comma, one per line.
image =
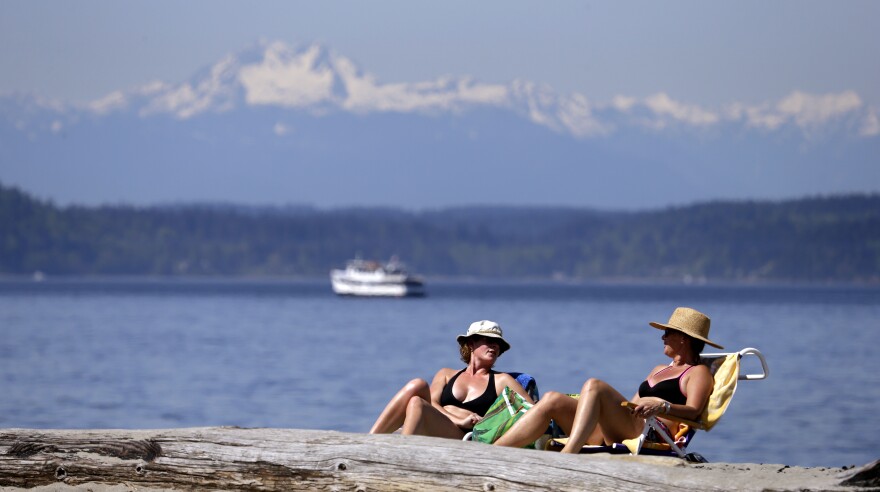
[479,405]
[668,389]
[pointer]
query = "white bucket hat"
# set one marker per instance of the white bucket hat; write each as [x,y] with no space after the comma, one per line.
[485,328]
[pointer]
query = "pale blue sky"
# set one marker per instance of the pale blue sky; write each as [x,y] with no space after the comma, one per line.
[708,53]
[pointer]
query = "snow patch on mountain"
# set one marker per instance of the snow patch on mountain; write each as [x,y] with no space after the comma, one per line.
[870,124]
[116,100]
[288,79]
[215,92]
[809,112]
[664,107]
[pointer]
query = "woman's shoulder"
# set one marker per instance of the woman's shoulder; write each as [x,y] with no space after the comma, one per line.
[699,372]
[447,372]
[503,376]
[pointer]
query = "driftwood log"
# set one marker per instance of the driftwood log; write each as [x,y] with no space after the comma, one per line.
[287,459]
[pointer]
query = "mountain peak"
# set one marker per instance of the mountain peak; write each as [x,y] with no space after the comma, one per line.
[293,78]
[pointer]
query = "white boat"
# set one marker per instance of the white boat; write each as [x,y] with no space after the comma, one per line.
[373,278]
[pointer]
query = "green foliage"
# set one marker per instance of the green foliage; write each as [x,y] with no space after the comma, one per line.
[812,239]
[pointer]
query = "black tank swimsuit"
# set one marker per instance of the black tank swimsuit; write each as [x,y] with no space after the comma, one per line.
[668,389]
[479,405]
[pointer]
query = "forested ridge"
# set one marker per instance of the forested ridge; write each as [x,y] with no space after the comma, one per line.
[812,239]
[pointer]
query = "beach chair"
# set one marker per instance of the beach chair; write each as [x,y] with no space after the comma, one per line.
[655,440]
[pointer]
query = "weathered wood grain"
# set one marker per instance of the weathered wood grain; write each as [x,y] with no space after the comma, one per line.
[289,459]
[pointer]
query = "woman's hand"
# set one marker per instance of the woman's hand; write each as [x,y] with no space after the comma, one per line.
[646,407]
[468,421]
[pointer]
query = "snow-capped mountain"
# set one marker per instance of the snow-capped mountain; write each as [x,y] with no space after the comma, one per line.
[301,118]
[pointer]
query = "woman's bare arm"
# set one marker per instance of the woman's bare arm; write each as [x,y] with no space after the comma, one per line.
[506,380]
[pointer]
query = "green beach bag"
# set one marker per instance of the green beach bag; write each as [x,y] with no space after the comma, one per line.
[504,412]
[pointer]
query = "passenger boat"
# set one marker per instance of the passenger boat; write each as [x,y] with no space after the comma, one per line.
[376,279]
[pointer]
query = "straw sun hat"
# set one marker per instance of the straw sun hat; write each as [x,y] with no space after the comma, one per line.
[485,328]
[690,322]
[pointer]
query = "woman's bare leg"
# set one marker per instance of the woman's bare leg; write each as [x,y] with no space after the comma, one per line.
[532,425]
[599,408]
[424,420]
[394,414]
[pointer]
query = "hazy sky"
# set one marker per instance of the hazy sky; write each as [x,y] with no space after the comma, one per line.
[707,53]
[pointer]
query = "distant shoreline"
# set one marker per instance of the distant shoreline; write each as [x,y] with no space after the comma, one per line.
[445,280]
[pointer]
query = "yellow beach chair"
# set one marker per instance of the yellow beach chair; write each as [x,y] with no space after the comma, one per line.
[725,367]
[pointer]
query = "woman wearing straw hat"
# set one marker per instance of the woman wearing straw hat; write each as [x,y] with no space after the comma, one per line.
[681,388]
[455,400]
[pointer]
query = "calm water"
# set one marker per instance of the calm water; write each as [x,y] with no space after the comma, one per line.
[168,353]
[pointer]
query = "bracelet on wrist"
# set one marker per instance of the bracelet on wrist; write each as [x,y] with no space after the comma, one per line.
[666,407]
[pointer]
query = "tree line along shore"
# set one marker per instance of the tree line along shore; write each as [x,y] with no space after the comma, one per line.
[815,239]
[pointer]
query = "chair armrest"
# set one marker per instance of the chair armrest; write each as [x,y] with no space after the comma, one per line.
[693,424]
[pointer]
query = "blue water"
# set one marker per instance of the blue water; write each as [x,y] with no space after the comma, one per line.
[144,353]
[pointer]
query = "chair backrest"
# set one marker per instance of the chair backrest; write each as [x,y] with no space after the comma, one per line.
[528,383]
[726,370]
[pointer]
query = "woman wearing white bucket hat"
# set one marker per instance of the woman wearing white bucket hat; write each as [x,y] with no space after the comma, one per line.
[455,400]
[681,388]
